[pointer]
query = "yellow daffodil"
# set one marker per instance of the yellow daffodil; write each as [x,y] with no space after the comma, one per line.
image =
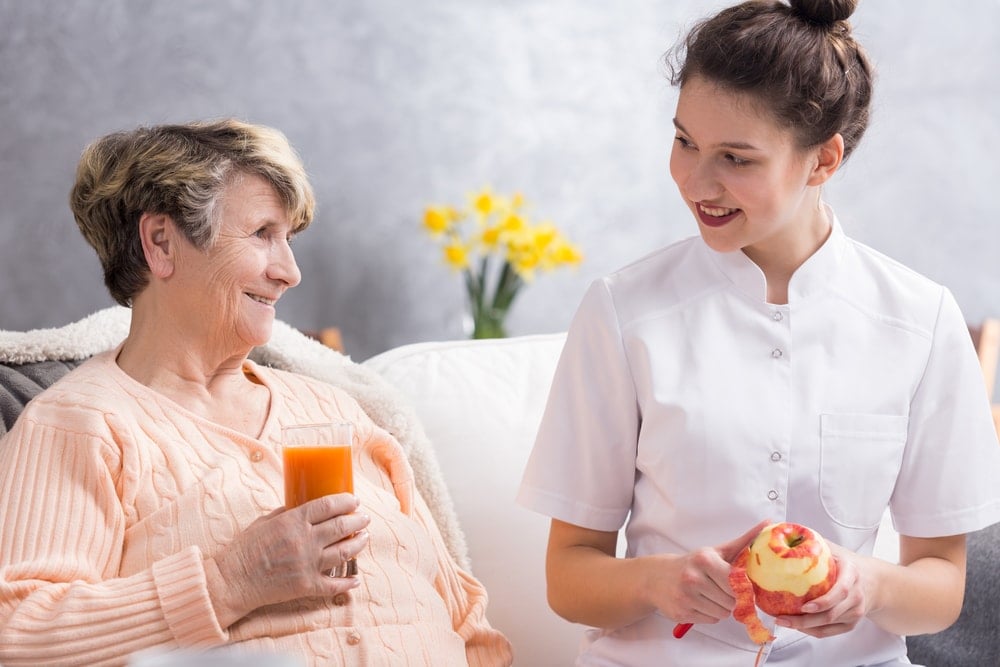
[543,235]
[565,253]
[437,220]
[512,223]
[483,202]
[498,254]
[456,255]
[491,237]
[525,261]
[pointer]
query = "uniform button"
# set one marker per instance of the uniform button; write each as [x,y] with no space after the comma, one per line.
[772,494]
[340,599]
[775,456]
[256,456]
[776,353]
[777,316]
[354,639]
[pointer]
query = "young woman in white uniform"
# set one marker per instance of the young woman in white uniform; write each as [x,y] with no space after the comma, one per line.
[768,369]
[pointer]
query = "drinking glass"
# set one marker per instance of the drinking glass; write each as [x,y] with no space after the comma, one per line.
[317,462]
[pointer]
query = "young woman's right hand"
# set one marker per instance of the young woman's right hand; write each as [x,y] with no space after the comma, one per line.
[588,584]
[694,588]
[285,555]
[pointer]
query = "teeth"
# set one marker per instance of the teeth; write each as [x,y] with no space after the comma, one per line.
[716,212]
[260,299]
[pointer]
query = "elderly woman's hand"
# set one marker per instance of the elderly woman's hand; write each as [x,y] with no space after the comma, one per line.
[286,555]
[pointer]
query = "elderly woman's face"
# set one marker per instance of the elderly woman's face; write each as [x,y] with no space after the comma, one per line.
[237,281]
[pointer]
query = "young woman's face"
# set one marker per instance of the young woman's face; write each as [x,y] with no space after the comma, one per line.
[741,174]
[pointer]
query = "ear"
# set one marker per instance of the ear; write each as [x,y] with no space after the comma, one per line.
[159,243]
[828,157]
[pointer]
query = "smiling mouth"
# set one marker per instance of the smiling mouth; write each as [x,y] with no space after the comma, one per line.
[715,216]
[261,299]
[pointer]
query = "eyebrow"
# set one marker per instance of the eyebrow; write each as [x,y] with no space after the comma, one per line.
[737,145]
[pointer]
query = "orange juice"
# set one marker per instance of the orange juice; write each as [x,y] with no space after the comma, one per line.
[314,471]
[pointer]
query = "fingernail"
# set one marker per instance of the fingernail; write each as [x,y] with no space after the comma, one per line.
[809,608]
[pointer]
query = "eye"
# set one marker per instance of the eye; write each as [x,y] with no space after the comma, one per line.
[736,160]
[684,143]
[261,233]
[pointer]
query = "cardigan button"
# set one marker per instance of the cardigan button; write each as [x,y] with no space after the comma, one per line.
[354,639]
[256,456]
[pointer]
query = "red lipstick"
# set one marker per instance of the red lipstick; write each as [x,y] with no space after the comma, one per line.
[713,220]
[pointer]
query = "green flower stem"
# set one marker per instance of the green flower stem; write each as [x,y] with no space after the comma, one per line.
[489,314]
[507,288]
[474,288]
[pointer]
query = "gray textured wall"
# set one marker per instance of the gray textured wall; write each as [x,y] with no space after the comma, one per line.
[397,103]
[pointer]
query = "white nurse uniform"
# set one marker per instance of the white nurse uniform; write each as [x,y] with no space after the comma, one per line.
[686,408]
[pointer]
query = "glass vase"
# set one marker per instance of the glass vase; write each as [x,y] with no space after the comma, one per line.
[489,323]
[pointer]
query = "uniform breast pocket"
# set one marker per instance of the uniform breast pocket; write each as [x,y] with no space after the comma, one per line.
[861,457]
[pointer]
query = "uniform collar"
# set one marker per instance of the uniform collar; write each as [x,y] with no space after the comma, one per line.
[815,274]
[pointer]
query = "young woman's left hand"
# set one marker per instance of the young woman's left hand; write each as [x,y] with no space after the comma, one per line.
[842,607]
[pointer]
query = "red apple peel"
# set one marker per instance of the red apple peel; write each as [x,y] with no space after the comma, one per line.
[746,610]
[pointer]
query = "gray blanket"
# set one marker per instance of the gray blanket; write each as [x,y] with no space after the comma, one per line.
[19,383]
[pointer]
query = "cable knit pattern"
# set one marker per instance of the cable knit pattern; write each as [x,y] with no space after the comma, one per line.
[115,496]
[289,350]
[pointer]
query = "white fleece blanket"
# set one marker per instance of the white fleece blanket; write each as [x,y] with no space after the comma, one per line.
[290,350]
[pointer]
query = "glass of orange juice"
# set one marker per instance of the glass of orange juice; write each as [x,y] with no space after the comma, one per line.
[317,462]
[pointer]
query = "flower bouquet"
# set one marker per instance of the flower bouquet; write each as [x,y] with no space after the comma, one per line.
[498,249]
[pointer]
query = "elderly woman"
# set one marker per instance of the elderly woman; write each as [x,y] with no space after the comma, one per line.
[142,494]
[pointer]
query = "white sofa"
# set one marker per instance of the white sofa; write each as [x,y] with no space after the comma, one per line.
[480,403]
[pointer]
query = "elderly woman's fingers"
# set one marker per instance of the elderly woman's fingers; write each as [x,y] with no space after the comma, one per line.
[326,507]
[333,518]
[343,551]
[334,530]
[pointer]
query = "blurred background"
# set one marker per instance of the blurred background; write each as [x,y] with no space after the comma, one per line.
[398,104]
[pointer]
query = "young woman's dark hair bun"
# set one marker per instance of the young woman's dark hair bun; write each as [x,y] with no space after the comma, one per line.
[825,13]
[797,57]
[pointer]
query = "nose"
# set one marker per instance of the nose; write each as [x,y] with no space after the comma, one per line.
[283,266]
[697,180]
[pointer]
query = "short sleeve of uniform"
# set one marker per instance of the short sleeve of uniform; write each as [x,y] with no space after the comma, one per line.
[947,484]
[582,467]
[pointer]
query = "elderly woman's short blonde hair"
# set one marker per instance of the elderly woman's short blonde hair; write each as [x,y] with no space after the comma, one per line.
[180,171]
